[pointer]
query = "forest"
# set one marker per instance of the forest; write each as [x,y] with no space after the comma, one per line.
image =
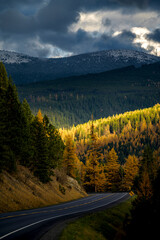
[25,139]
[73,100]
[102,155]
[118,153]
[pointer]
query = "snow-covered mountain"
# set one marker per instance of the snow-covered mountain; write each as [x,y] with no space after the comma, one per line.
[25,69]
[13,57]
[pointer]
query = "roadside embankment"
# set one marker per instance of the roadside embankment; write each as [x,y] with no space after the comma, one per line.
[21,190]
[107,224]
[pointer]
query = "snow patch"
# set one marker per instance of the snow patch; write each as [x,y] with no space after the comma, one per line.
[13,57]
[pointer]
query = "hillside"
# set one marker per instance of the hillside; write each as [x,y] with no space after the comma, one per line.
[25,69]
[127,133]
[72,100]
[22,190]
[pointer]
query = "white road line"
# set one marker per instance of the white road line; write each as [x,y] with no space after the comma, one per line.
[47,219]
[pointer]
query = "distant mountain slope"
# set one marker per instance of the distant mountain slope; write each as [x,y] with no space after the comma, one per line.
[8,57]
[25,69]
[72,100]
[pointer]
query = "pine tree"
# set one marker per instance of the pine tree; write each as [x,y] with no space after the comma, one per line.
[11,124]
[3,77]
[27,111]
[40,161]
[55,144]
[27,152]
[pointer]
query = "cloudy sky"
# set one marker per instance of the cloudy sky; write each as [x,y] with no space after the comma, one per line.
[55,28]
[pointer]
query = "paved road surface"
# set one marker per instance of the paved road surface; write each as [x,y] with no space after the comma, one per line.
[32,224]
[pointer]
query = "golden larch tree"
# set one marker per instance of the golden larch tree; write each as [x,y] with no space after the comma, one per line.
[94,178]
[70,159]
[112,171]
[130,168]
[39,116]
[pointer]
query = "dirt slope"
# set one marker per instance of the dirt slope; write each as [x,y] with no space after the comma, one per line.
[22,190]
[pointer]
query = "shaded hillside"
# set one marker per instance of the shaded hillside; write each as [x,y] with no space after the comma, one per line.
[25,69]
[72,100]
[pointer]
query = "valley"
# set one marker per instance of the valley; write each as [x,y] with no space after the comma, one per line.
[73,100]
[117,151]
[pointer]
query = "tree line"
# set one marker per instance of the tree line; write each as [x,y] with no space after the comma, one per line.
[31,141]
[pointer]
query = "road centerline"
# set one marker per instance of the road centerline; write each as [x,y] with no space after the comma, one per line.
[60,209]
[71,213]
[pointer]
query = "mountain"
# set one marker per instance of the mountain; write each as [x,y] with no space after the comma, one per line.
[73,100]
[25,69]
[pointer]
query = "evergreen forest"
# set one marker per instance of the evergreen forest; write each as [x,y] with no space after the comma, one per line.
[73,100]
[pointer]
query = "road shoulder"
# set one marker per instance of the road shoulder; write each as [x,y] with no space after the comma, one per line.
[56,230]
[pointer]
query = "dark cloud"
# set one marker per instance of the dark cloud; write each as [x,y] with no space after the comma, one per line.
[12,21]
[138,3]
[106,22]
[155,35]
[10,4]
[127,36]
[121,41]
[82,41]
[57,18]
[22,22]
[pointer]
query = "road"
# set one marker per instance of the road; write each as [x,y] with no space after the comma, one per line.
[32,224]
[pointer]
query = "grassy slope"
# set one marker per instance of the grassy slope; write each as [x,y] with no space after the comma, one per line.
[103,225]
[22,190]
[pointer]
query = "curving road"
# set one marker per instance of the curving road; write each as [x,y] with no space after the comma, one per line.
[32,224]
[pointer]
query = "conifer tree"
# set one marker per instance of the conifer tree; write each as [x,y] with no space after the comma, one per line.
[40,161]
[94,177]
[3,77]
[12,123]
[39,116]
[131,168]
[69,157]
[112,169]
[27,152]
[27,111]
[55,144]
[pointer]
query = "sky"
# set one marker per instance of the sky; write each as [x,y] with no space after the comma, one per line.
[59,28]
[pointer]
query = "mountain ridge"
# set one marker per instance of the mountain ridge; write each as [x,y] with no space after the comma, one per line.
[25,69]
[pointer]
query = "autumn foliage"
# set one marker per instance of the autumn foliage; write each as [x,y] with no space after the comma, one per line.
[103,155]
[112,149]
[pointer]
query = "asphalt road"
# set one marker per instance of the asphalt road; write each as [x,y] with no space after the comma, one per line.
[32,224]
